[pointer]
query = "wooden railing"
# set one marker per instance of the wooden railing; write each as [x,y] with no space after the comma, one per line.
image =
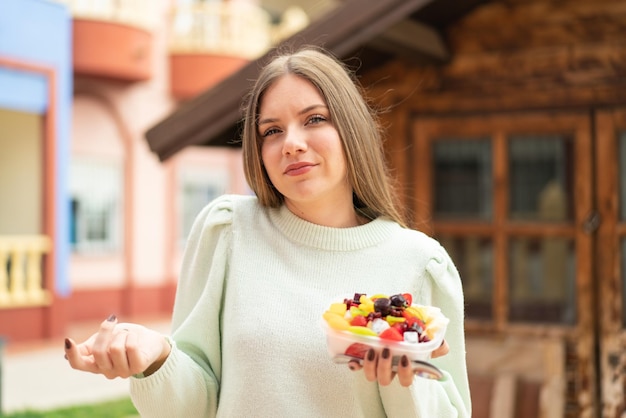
[139,13]
[227,28]
[21,266]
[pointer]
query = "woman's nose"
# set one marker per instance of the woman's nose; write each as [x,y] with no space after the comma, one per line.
[295,141]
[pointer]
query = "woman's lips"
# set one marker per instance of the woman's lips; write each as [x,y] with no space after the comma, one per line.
[297,169]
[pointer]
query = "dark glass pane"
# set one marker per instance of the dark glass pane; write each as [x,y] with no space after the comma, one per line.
[542,280]
[74,210]
[473,257]
[622,176]
[463,183]
[541,178]
[195,195]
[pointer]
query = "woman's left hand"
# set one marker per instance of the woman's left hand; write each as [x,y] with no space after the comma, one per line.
[377,366]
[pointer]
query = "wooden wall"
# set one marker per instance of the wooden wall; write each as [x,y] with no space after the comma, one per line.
[510,55]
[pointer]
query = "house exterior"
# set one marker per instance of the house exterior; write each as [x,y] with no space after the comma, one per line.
[506,128]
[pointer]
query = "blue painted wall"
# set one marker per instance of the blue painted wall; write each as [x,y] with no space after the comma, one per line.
[40,32]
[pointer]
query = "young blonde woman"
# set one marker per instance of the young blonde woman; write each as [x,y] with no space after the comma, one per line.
[260,270]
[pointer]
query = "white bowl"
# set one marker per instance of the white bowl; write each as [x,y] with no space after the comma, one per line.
[346,343]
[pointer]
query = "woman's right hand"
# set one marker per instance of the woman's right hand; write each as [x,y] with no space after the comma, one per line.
[119,350]
[377,366]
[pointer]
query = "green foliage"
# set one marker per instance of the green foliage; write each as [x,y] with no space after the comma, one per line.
[122,408]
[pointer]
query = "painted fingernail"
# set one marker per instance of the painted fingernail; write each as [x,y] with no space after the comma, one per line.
[404,361]
[385,353]
[68,344]
[352,366]
[111,318]
[371,354]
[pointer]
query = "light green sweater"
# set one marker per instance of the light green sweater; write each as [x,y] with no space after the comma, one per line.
[247,335]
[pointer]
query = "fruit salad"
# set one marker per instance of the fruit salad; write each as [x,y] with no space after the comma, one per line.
[361,322]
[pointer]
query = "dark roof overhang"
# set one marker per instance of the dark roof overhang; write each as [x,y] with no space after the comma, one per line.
[387,27]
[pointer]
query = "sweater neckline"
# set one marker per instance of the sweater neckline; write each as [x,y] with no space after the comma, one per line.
[331,238]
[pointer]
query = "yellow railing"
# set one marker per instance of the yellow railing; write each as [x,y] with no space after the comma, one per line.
[21,278]
[139,13]
[227,28]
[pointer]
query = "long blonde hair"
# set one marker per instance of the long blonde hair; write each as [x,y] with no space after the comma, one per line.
[353,118]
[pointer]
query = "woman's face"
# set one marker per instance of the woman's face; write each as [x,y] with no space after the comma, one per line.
[301,149]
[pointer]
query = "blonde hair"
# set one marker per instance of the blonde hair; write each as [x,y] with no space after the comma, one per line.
[353,118]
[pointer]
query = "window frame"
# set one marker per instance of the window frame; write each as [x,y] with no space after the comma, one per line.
[113,244]
[502,229]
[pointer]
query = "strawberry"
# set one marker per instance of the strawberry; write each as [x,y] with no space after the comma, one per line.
[408,298]
[391,334]
[359,321]
[400,326]
[357,350]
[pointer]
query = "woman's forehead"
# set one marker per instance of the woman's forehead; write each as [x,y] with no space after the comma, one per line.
[290,90]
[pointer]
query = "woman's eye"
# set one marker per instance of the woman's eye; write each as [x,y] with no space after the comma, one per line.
[316,119]
[270,131]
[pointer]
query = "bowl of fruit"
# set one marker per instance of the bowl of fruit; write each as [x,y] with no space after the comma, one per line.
[355,324]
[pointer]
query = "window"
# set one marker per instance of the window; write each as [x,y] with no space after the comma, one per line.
[463,179]
[498,193]
[541,268]
[540,170]
[95,206]
[197,188]
[463,190]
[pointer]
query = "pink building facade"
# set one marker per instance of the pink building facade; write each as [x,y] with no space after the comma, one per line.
[92,222]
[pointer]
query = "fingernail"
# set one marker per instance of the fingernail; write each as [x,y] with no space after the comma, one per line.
[404,361]
[351,366]
[371,354]
[68,344]
[111,318]
[385,353]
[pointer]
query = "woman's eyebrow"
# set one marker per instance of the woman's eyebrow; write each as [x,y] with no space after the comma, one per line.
[303,111]
[266,120]
[312,107]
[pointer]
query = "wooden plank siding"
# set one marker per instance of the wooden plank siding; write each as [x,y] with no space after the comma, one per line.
[611,230]
[510,55]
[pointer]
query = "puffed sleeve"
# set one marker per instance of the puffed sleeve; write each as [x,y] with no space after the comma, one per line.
[449,397]
[187,385]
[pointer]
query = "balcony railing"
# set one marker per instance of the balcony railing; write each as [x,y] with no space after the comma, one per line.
[139,13]
[228,29]
[113,38]
[210,41]
[21,265]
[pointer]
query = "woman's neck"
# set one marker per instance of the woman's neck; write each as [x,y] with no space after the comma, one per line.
[340,215]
